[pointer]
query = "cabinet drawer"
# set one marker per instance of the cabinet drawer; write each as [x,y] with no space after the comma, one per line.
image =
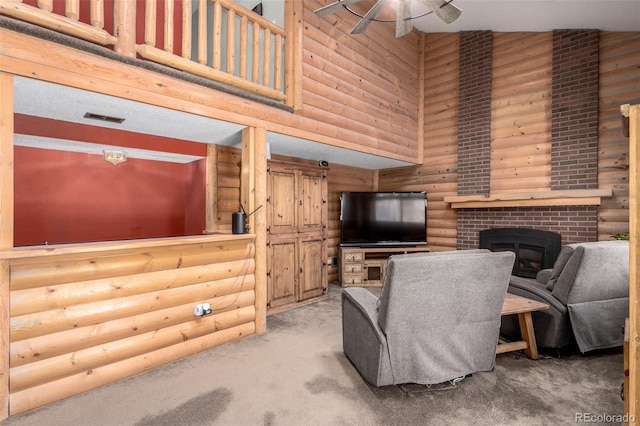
[356,267]
[353,257]
[352,279]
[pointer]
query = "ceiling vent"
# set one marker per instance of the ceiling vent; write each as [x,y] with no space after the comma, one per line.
[106,118]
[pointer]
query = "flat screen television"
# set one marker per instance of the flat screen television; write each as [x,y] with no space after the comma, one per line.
[371,219]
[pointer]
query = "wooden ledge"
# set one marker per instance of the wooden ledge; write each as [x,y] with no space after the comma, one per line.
[574,197]
[102,246]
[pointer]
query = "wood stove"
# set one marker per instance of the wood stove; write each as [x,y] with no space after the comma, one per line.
[535,249]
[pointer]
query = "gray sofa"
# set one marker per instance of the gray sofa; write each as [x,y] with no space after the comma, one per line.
[437,319]
[588,295]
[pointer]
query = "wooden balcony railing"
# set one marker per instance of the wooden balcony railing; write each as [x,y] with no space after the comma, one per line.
[246,39]
[217,39]
[68,23]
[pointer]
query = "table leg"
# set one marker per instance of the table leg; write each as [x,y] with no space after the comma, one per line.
[528,335]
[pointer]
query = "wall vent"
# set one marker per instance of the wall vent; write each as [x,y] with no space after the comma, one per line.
[106,118]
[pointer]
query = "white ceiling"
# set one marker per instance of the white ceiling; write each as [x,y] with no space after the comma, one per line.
[42,99]
[535,15]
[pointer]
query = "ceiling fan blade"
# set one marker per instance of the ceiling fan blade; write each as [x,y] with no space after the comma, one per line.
[448,13]
[371,14]
[330,8]
[403,21]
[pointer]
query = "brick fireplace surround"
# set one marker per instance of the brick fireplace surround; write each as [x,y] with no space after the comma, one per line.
[574,138]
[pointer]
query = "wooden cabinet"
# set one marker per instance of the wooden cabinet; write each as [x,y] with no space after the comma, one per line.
[312,281]
[296,227]
[281,201]
[352,267]
[367,266]
[281,271]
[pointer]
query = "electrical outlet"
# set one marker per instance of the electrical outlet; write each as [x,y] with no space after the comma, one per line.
[201,309]
[198,310]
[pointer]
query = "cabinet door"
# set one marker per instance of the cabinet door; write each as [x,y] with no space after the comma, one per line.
[312,281]
[281,202]
[282,272]
[312,201]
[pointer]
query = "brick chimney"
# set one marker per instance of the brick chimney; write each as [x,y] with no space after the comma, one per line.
[574,138]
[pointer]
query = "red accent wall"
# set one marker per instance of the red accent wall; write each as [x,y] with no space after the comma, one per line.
[195,203]
[64,197]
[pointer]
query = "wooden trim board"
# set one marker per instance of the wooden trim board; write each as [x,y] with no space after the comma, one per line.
[576,197]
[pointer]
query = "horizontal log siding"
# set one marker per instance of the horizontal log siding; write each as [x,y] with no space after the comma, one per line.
[342,178]
[365,87]
[521,112]
[439,172]
[339,178]
[521,126]
[82,320]
[619,84]
[229,160]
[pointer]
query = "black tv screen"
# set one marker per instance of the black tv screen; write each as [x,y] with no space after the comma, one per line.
[383,218]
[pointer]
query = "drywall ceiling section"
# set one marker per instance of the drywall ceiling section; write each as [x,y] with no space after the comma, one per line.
[98,149]
[294,147]
[58,102]
[534,15]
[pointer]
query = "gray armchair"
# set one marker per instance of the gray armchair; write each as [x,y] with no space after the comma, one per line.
[588,296]
[437,319]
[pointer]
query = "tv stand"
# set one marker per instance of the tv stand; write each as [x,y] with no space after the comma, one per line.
[366,266]
[387,246]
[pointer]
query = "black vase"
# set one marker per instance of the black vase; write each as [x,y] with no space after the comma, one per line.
[238,221]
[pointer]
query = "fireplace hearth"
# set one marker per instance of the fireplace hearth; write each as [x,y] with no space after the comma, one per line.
[535,249]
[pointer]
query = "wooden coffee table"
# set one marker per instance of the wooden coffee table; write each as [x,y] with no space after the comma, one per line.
[522,307]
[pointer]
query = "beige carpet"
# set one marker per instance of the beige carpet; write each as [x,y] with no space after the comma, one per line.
[296,374]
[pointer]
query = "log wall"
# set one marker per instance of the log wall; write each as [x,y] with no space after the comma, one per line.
[228,195]
[439,172]
[521,127]
[84,317]
[361,87]
[521,112]
[619,85]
